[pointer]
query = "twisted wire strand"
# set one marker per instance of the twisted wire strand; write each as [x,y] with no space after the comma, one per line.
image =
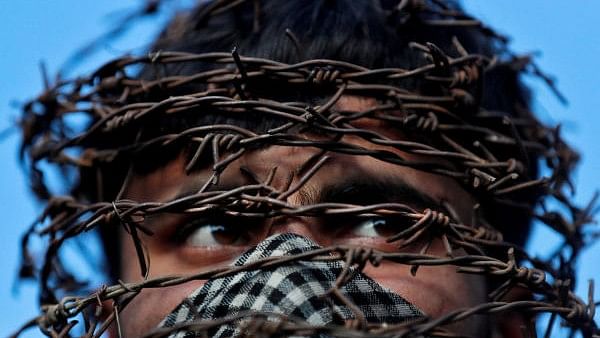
[462,146]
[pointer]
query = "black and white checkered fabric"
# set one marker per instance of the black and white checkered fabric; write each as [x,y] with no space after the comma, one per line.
[298,289]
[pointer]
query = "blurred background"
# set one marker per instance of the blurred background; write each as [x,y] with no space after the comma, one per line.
[564,35]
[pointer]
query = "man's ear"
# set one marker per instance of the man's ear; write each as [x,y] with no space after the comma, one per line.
[514,324]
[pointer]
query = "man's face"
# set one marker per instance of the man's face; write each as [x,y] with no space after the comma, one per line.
[187,245]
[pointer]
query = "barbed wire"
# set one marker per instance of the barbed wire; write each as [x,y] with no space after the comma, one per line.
[488,153]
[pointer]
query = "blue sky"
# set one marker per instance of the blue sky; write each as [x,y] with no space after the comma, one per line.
[565,33]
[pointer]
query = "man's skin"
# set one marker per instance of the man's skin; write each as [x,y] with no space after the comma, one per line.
[435,290]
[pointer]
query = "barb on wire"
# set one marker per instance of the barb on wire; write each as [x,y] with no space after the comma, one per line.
[447,133]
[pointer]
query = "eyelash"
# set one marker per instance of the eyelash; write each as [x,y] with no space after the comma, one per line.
[187,229]
[354,227]
[184,230]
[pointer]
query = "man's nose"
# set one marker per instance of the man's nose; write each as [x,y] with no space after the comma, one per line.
[297,225]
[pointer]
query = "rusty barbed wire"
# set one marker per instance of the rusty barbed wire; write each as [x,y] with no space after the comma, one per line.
[487,152]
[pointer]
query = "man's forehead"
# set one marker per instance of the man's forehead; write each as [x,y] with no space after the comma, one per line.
[341,178]
[354,103]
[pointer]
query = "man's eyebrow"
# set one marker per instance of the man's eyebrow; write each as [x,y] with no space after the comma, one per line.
[368,190]
[359,189]
[187,191]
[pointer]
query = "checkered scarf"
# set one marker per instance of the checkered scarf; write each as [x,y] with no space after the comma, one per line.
[298,289]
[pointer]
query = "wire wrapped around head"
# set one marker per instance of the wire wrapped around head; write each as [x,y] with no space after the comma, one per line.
[135,106]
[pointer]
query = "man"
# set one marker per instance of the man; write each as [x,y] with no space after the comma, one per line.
[352,168]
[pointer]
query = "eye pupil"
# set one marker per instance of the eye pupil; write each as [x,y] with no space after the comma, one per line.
[379,224]
[383,227]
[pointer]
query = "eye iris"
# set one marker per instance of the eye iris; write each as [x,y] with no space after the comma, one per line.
[224,235]
[379,225]
[376,227]
[382,227]
[213,235]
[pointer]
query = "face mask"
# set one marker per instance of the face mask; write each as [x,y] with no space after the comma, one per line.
[298,290]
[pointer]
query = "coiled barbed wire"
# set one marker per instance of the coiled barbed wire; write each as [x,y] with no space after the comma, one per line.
[469,148]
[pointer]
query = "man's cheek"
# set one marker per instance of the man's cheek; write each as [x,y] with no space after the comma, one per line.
[151,306]
[435,290]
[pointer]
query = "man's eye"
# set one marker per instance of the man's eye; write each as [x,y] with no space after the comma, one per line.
[375,227]
[210,235]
